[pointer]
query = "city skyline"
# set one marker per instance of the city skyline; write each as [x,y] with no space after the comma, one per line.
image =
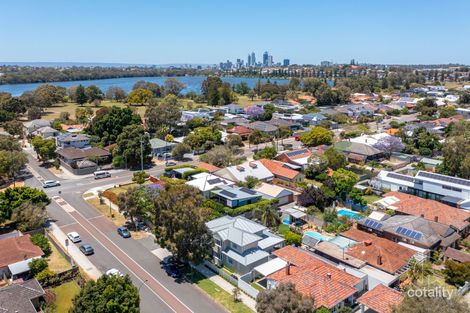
[171,33]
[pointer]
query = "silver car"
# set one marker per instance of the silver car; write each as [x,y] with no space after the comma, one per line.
[50,183]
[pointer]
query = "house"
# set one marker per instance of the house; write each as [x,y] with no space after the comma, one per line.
[370,140]
[378,252]
[71,155]
[76,128]
[72,140]
[358,152]
[233,196]
[413,230]
[313,119]
[34,125]
[240,172]
[330,286]
[431,210]
[237,121]
[200,113]
[282,172]
[241,244]
[16,253]
[298,159]
[380,299]
[242,131]
[205,182]
[268,191]
[45,132]
[208,167]
[456,255]
[263,127]
[160,147]
[447,189]
[232,108]
[179,172]
[292,125]
[22,297]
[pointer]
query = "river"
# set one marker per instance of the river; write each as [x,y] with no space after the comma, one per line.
[193,83]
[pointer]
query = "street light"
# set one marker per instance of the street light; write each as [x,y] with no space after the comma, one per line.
[141,284]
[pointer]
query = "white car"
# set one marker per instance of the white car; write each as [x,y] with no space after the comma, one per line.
[114,272]
[74,237]
[50,183]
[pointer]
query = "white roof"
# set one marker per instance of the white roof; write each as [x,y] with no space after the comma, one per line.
[206,182]
[269,242]
[294,212]
[272,190]
[379,216]
[21,266]
[238,236]
[270,267]
[369,139]
[376,277]
[251,168]
[248,258]
[387,202]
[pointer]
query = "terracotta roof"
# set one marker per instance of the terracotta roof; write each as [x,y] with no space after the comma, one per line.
[278,169]
[17,249]
[313,277]
[457,255]
[381,299]
[209,167]
[241,130]
[378,252]
[392,131]
[430,209]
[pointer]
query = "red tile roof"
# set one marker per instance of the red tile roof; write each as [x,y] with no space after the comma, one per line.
[208,167]
[430,209]
[240,130]
[313,277]
[457,255]
[381,299]
[378,252]
[278,169]
[17,249]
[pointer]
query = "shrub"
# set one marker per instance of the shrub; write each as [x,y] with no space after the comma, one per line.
[111,196]
[45,273]
[170,168]
[293,238]
[193,172]
[42,242]
[37,265]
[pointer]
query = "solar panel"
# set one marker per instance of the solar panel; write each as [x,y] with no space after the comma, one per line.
[409,233]
[297,152]
[373,224]
[228,194]
[214,181]
[248,191]
[401,177]
[444,178]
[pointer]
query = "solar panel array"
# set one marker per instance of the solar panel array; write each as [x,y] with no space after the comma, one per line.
[248,191]
[409,233]
[228,194]
[401,177]
[297,152]
[214,181]
[443,178]
[373,224]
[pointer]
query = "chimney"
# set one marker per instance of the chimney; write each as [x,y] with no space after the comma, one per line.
[328,275]
[379,259]
[240,168]
[253,165]
[367,243]
[422,215]
[436,219]
[288,268]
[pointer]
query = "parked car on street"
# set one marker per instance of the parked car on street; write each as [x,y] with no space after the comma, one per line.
[114,272]
[124,232]
[101,174]
[87,249]
[50,183]
[74,237]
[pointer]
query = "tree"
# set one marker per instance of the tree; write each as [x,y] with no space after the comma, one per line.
[316,136]
[8,143]
[210,89]
[427,106]
[127,202]
[254,112]
[344,181]
[457,273]
[34,113]
[153,87]
[255,137]
[220,156]
[464,98]
[334,159]
[267,215]
[165,112]
[234,140]
[418,270]
[37,265]
[28,216]
[133,145]
[139,96]
[179,220]
[45,148]
[203,137]
[293,238]
[109,294]
[46,95]
[14,105]
[116,93]
[11,162]
[109,123]
[312,195]
[173,86]
[294,83]
[251,94]
[249,182]
[140,177]
[42,242]
[12,198]
[455,151]
[180,150]
[265,153]
[80,95]
[94,93]
[282,299]
[389,144]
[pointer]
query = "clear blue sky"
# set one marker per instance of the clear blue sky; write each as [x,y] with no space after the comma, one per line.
[209,31]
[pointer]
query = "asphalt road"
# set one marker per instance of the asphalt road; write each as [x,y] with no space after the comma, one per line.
[159,292]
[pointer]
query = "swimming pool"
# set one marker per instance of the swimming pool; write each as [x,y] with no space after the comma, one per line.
[317,235]
[350,214]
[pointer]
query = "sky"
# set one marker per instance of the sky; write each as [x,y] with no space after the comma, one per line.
[210,31]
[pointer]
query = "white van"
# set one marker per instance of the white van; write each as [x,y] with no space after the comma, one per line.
[101,174]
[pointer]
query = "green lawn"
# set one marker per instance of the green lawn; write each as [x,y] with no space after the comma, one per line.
[218,294]
[283,228]
[64,295]
[371,198]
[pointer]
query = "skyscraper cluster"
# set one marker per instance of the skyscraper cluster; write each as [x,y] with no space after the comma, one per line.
[267,61]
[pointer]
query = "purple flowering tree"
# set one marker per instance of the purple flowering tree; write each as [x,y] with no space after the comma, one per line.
[390,144]
[254,111]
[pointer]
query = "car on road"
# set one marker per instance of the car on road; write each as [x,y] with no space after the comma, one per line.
[87,249]
[170,163]
[74,237]
[124,232]
[101,174]
[50,183]
[114,272]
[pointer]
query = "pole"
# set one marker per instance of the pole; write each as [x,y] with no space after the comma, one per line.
[141,155]
[141,284]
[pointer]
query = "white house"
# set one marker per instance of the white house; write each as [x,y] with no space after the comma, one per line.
[240,172]
[205,182]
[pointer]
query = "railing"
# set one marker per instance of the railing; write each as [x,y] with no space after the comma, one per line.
[243,284]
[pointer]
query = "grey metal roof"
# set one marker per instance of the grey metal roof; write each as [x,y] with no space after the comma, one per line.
[157,143]
[18,297]
[247,258]
[234,193]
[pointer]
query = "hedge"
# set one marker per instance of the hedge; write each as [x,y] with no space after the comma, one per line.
[170,168]
[193,172]
[220,209]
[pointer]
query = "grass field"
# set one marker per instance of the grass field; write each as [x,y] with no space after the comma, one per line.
[117,218]
[64,295]
[219,295]
[371,198]
[57,262]
[282,229]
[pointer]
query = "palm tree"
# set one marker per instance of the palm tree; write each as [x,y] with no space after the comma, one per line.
[418,270]
[267,215]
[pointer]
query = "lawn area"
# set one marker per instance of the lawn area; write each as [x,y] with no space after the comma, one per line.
[57,262]
[118,219]
[70,107]
[371,198]
[218,294]
[64,295]
[123,188]
[282,229]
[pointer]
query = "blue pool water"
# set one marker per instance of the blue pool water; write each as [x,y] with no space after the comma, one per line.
[317,235]
[350,214]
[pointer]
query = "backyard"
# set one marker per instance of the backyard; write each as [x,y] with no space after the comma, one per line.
[64,296]
[57,262]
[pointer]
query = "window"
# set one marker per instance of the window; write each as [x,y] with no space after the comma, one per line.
[229,260]
[235,246]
